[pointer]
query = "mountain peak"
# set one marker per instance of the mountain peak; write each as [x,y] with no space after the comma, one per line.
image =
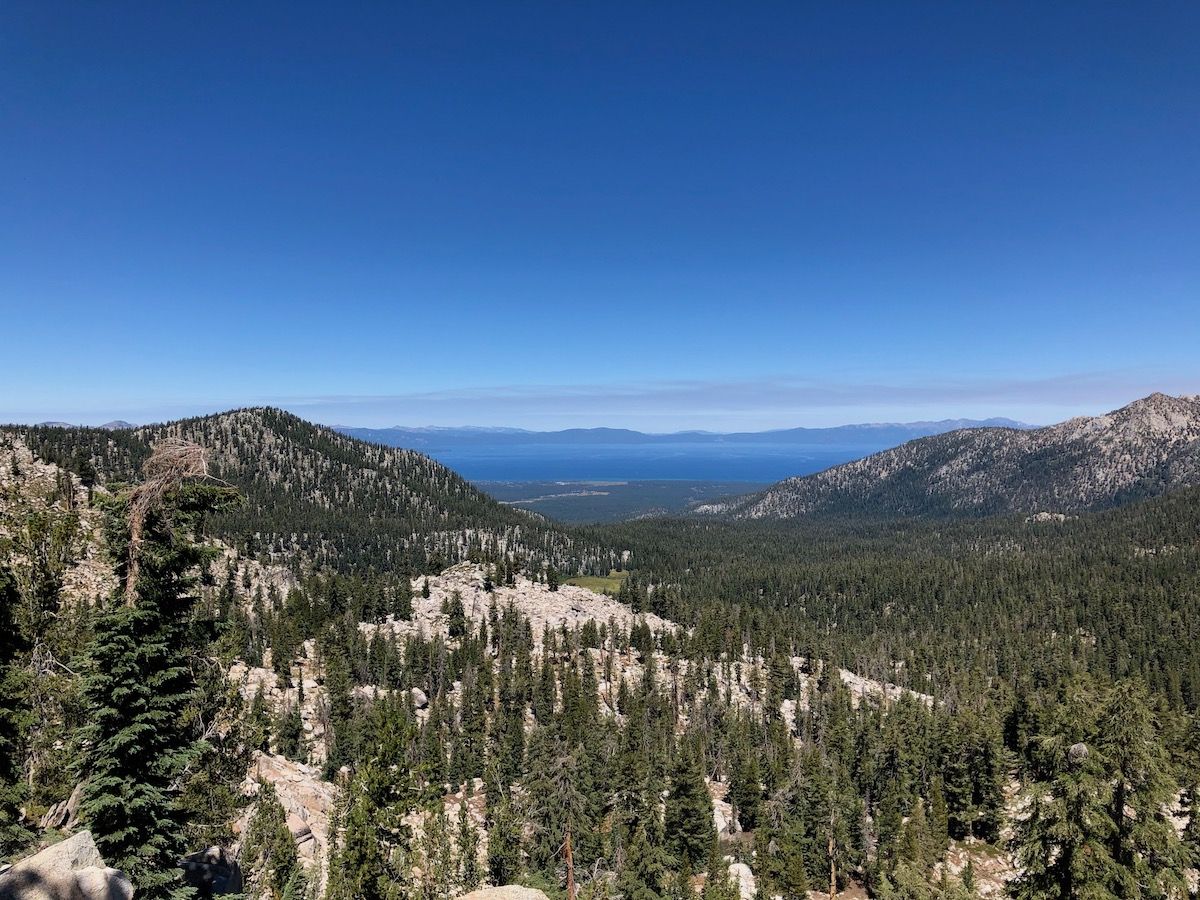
[1145,448]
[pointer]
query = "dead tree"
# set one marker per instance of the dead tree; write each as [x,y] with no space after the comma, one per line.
[170,463]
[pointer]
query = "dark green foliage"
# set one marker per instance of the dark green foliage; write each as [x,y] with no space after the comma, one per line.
[504,849]
[689,819]
[745,787]
[328,498]
[641,878]
[138,688]
[289,733]
[1098,821]
[791,873]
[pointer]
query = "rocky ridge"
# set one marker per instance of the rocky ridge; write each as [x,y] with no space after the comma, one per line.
[1144,449]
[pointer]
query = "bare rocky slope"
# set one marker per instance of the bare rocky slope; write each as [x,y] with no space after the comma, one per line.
[1142,450]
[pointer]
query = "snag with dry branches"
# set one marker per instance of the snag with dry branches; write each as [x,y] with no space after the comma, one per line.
[171,462]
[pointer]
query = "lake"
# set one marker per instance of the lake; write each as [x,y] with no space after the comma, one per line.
[745,462]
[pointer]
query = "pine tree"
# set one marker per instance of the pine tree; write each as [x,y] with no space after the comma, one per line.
[718,885]
[457,616]
[989,777]
[259,724]
[360,859]
[1143,840]
[689,828]
[504,850]
[917,845]
[1191,832]
[792,877]
[641,877]
[939,821]
[1063,845]
[289,733]
[556,802]
[438,868]
[468,847]
[268,850]
[138,688]
[339,737]
[745,788]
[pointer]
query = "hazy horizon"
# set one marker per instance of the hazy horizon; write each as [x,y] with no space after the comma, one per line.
[559,215]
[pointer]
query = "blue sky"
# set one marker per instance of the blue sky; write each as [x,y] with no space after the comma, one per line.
[657,215]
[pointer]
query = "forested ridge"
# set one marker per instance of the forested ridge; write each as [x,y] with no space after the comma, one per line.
[313,495]
[1049,747]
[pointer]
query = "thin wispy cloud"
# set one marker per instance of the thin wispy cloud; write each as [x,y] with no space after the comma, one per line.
[668,405]
[774,402]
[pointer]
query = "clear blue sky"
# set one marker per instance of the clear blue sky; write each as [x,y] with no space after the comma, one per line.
[660,215]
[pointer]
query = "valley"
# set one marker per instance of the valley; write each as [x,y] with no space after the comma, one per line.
[391,682]
[611,501]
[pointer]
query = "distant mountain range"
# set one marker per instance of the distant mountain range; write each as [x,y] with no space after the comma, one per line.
[886,434]
[1144,449]
[114,425]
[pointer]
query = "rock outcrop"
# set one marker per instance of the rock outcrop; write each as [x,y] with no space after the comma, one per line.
[307,800]
[507,892]
[70,870]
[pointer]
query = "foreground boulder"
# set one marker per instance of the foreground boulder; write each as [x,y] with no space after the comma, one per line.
[508,892]
[70,870]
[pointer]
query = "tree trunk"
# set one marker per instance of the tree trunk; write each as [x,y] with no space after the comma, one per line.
[570,866]
[832,867]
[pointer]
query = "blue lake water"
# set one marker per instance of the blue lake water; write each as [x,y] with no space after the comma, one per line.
[628,462]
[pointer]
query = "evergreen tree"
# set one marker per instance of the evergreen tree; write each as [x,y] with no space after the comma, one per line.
[1063,845]
[439,873]
[504,849]
[360,862]
[457,616]
[641,877]
[689,819]
[718,885]
[939,820]
[289,733]
[138,688]
[268,850]
[468,848]
[745,788]
[1143,840]
[792,878]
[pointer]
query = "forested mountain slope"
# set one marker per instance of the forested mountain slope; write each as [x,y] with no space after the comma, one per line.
[946,605]
[360,735]
[312,494]
[1141,450]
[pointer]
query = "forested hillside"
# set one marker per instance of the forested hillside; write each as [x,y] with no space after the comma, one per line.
[313,495]
[916,711]
[957,605]
[1142,450]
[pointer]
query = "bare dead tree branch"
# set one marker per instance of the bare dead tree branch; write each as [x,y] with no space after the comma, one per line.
[171,462]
